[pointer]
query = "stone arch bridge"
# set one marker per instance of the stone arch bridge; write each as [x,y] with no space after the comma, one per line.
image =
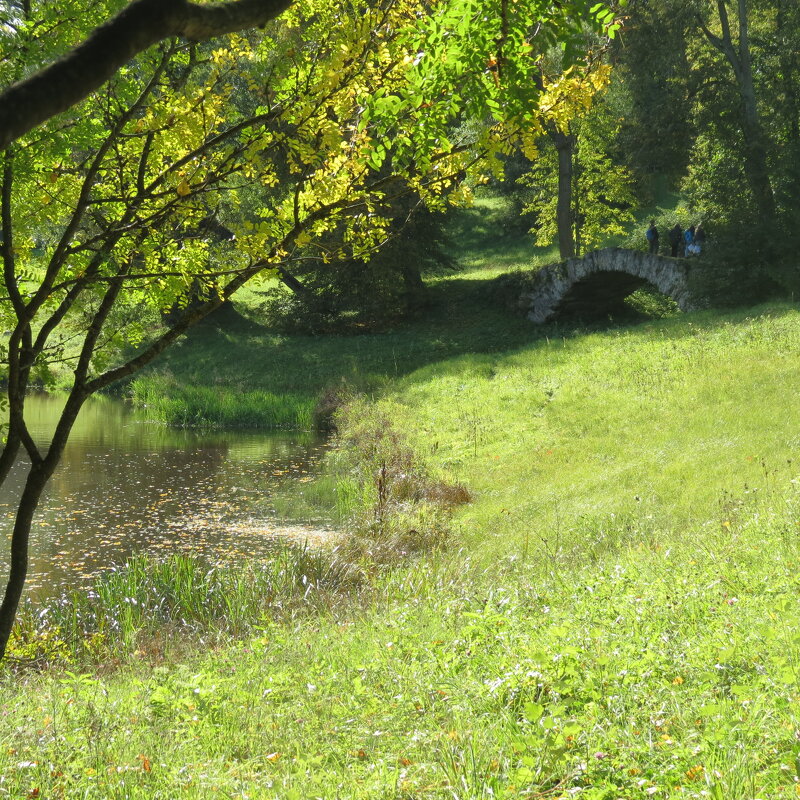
[601,280]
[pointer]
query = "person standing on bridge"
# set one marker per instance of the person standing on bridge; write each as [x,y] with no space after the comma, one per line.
[675,239]
[652,236]
[699,239]
[688,238]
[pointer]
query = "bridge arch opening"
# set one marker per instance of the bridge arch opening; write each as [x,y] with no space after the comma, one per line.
[603,283]
[615,295]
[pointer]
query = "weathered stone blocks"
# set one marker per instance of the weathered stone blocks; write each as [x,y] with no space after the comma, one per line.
[552,285]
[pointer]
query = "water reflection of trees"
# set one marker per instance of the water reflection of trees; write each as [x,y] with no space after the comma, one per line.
[125,486]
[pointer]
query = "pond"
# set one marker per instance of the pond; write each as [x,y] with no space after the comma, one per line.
[127,486]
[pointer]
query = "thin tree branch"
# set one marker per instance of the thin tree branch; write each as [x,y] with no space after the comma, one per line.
[7,244]
[19,345]
[57,259]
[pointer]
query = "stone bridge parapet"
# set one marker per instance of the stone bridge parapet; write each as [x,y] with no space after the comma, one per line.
[601,274]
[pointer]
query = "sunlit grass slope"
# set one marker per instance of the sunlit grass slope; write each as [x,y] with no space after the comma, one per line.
[661,423]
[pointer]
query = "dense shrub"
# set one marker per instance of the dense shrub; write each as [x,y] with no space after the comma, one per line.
[355,294]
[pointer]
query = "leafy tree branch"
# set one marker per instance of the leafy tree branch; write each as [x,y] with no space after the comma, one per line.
[59,86]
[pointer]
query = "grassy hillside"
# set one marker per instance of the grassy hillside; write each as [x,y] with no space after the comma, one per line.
[663,423]
[617,616]
[614,615]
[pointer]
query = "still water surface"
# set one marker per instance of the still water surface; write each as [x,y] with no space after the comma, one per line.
[127,486]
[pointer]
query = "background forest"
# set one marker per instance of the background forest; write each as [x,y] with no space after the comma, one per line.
[699,124]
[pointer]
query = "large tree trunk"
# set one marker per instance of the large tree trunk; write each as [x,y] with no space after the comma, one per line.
[565,145]
[755,144]
[787,23]
[755,141]
[790,67]
[413,285]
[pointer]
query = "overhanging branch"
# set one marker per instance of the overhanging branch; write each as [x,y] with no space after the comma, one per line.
[143,23]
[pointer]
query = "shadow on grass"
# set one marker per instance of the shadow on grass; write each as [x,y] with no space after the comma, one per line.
[486,236]
[464,316]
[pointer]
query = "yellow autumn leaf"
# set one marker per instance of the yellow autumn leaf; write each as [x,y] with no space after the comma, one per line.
[183,188]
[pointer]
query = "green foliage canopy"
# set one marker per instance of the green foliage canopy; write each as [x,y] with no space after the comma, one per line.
[602,188]
[316,122]
[292,133]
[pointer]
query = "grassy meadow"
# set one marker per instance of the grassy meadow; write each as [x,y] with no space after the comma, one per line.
[613,616]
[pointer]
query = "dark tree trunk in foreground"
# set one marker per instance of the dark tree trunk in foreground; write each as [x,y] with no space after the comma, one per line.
[40,472]
[34,486]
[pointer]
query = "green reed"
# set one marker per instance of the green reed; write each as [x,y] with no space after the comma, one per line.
[181,594]
[220,407]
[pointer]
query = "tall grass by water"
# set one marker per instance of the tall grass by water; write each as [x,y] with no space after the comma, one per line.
[143,605]
[168,401]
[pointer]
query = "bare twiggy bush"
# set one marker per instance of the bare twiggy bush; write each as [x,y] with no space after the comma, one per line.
[402,508]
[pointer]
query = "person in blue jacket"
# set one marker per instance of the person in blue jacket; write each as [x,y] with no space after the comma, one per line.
[688,239]
[652,236]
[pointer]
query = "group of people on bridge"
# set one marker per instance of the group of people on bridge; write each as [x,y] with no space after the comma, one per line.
[682,243]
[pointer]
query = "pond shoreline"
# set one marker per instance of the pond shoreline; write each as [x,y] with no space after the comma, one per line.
[127,487]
